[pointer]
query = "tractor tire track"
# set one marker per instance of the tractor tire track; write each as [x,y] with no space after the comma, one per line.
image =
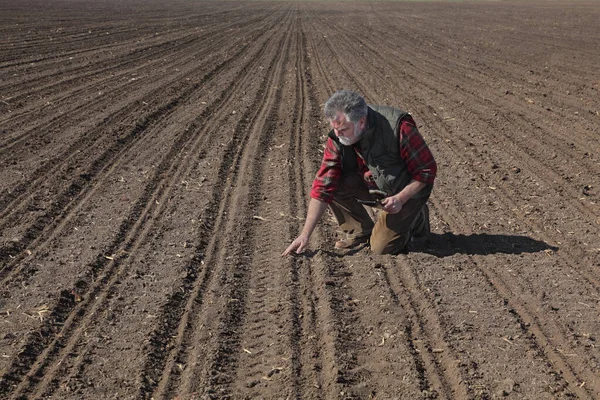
[14,254]
[306,336]
[587,215]
[544,333]
[522,154]
[365,91]
[443,380]
[167,255]
[120,71]
[101,270]
[134,64]
[213,377]
[180,307]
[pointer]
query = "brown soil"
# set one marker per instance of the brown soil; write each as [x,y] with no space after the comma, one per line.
[156,160]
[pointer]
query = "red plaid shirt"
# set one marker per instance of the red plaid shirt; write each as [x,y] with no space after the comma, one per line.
[413,150]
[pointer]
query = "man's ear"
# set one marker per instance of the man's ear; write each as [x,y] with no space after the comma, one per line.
[363,122]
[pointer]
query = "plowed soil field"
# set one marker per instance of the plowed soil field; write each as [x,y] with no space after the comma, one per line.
[156,159]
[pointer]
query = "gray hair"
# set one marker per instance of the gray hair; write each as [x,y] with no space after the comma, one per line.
[350,103]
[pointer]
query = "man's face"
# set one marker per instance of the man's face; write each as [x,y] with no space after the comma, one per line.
[347,132]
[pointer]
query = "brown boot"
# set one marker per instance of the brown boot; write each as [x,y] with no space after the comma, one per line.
[351,242]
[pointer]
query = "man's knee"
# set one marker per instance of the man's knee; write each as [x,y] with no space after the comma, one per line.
[380,247]
[379,250]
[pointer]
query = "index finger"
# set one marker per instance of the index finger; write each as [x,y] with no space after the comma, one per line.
[288,250]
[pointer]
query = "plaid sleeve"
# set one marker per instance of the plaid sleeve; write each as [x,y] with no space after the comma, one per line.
[328,176]
[416,154]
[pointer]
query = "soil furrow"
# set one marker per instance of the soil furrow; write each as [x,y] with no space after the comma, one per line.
[587,214]
[68,199]
[224,363]
[200,143]
[179,307]
[433,380]
[83,36]
[138,64]
[508,198]
[175,177]
[482,75]
[335,325]
[46,85]
[313,336]
[307,369]
[331,48]
[427,367]
[15,252]
[157,159]
[459,145]
[510,202]
[438,359]
[296,197]
[214,376]
[544,333]
[134,41]
[436,68]
[535,330]
[72,107]
[105,273]
[61,315]
[550,151]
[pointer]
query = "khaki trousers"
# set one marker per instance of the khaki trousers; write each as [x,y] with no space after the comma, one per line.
[390,233]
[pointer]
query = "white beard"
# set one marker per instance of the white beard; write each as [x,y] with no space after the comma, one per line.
[345,141]
[350,141]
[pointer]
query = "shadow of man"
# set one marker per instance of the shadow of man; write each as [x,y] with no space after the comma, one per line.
[448,244]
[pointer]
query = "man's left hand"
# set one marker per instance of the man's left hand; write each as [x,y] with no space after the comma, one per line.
[392,205]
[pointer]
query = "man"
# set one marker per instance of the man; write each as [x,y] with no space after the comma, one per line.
[374,156]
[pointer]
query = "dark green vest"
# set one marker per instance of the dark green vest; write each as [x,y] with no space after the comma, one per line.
[381,151]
